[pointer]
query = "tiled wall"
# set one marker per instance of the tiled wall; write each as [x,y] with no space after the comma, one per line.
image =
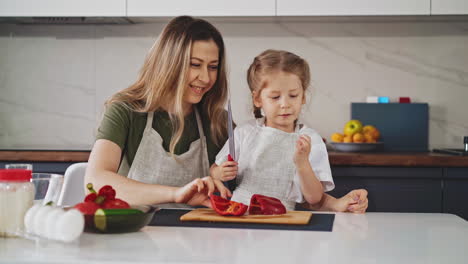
[55,78]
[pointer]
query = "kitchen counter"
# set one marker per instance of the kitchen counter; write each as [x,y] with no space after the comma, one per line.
[401,159]
[367,238]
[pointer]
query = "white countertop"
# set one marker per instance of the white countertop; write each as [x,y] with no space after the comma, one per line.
[369,238]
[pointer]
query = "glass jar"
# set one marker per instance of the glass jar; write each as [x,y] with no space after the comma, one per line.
[16,197]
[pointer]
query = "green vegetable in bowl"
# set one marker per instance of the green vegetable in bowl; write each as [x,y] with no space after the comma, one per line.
[119,220]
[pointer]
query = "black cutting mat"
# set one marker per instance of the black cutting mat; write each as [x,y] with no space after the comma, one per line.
[170,217]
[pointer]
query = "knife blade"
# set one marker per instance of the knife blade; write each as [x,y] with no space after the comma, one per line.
[232,145]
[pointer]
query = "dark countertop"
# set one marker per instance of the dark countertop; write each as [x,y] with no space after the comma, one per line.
[400,159]
[397,159]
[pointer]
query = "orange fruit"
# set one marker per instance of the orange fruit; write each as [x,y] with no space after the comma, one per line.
[368,128]
[337,137]
[358,138]
[369,138]
[376,134]
[348,139]
[371,130]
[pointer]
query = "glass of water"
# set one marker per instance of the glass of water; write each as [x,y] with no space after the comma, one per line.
[48,187]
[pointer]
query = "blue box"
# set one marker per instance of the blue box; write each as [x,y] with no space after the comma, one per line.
[403,127]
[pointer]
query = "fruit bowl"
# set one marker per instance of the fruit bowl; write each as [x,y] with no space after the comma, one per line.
[120,223]
[357,147]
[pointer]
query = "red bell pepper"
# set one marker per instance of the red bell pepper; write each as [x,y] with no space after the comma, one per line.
[105,198]
[107,191]
[265,205]
[91,197]
[115,203]
[225,207]
[87,208]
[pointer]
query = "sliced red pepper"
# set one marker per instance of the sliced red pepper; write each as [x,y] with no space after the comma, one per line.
[265,205]
[225,207]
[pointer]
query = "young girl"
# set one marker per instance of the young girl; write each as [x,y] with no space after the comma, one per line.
[278,156]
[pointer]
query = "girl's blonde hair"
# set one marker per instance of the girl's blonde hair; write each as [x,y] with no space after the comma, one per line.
[163,78]
[272,61]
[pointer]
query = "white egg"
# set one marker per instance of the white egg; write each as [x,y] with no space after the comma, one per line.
[51,222]
[70,225]
[29,218]
[39,220]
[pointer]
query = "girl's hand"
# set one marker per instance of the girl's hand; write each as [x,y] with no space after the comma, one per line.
[197,192]
[355,202]
[303,146]
[226,171]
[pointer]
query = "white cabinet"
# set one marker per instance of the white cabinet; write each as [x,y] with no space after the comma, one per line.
[449,7]
[228,8]
[138,8]
[62,8]
[352,7]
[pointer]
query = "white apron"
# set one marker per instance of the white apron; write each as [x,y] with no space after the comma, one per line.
[152,164]
[270,169]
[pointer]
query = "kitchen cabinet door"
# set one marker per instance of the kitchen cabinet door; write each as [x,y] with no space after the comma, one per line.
[62,8]
[455,195]
[392,189]
[449,7]
[138,8]
[352,7]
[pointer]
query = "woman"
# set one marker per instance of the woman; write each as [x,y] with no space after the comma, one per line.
[164,131]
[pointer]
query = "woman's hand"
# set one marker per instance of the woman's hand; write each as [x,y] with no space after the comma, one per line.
[355,202]
[226,171]
[197,192]
[303,146]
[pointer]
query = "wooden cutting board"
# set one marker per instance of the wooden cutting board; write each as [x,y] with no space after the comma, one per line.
[209,215]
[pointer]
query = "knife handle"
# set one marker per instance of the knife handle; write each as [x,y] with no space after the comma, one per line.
[232,183]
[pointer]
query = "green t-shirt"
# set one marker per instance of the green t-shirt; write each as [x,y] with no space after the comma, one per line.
[125,127]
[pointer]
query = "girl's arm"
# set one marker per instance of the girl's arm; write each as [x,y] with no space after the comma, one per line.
[226,170]
[102,169]
[355,201]
[311,187]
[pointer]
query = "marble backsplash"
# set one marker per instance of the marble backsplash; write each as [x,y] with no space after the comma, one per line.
[54,79]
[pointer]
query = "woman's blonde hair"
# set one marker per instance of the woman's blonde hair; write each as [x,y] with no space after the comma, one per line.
[272,61]
[163,78]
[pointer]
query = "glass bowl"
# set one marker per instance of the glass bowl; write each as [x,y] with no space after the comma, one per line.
[121,223]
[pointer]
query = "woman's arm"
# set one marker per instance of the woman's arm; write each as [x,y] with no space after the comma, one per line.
[102,169]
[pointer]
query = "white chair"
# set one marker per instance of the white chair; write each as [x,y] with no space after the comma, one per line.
[73,185]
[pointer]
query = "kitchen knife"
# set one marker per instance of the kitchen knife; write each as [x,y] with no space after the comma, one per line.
[232,145]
